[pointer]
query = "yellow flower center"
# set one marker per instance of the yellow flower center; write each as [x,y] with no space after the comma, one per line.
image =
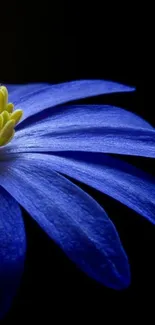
[8,117]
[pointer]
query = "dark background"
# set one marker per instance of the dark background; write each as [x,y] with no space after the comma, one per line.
[60,42]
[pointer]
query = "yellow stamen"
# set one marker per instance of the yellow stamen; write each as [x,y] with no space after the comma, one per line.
[11,137]
[16,115]
[5,93]
[1,101]
[10,107]
[1,121]
[8,117]
[6,132]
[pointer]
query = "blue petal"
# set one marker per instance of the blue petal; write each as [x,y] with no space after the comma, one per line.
[12,249]
[23,90]
[35,98]
[86,116]
[86,128]
[70,217]
[111,176]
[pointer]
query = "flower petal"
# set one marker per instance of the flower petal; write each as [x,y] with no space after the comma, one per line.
[86,116]
[70,217]
[12,249]
[23,90]
[35,98]
[111,176]
[87,128]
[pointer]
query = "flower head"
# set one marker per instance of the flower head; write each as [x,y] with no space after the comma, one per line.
[8,118]
[55,139]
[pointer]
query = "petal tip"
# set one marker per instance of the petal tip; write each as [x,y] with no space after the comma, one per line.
[124,280]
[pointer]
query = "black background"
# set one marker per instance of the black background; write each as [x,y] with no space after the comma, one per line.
[60,42]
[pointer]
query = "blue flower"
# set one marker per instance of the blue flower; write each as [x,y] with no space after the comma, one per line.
[55,139]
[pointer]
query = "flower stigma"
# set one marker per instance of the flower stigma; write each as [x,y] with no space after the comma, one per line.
[8,117]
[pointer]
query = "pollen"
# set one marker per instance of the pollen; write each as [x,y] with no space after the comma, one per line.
[9,117]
